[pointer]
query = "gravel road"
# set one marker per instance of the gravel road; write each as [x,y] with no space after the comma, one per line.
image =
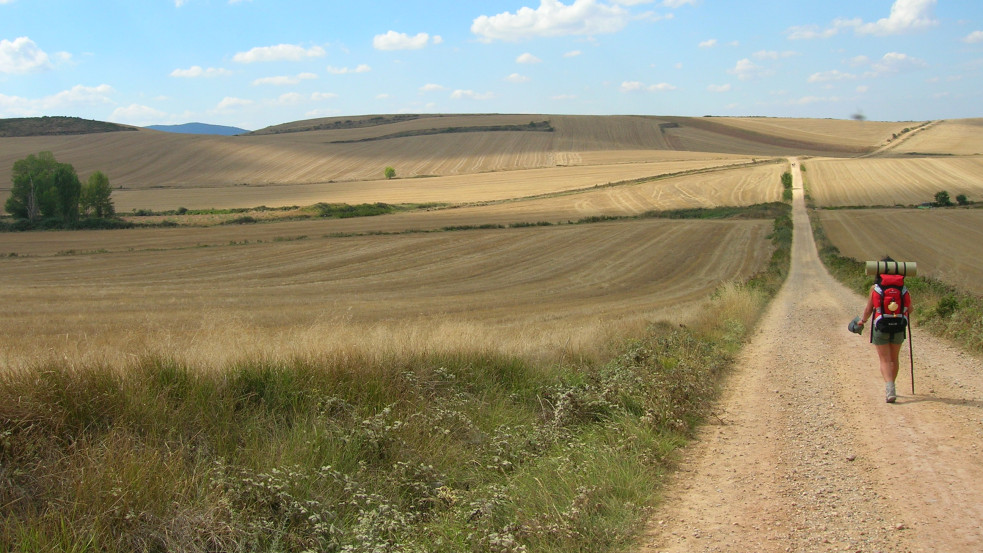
[807,456]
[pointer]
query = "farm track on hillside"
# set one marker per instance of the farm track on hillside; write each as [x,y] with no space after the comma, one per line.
[806,456]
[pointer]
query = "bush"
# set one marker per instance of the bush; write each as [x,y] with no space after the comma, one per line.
[961,199]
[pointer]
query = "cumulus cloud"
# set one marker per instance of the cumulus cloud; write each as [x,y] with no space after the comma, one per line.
[284,80]
[552,19]
[362,68]
[136,114]
[527,58]
[572,54]
[196,71]
[708,43]
[64,101]
[22,55]
[402,41]
[635,86]
[517,78]
[431,87]
[678,3]
[719,88]
[471,95]
[906,15]
[828,76]
[773,55]
[231,102]
[279,52]
[746,70]
[973,37]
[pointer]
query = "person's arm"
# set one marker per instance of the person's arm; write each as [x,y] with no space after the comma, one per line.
[869,309]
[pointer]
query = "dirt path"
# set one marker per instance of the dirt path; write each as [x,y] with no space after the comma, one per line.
[809,457]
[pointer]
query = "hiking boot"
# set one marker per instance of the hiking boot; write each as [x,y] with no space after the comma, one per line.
[890,394]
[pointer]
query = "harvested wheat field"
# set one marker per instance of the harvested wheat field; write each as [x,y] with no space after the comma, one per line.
[338,150]
[480,187]
[889,182]
[963,137]
[530,291]
[945,242]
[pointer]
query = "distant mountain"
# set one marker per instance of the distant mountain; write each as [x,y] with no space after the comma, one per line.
[199,128]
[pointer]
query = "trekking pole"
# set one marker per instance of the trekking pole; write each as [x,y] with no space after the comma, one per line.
[911,357]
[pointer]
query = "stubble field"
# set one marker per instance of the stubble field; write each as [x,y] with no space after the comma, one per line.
[378,283]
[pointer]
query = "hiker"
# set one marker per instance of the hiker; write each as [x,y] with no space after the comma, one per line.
[889,303]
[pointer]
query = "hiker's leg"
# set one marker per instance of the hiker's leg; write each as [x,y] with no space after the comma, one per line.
[887,355]
[895,364]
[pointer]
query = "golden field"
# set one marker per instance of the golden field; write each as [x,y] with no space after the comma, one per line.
[397,284]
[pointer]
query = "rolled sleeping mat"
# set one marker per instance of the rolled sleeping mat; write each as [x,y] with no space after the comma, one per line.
[904,268]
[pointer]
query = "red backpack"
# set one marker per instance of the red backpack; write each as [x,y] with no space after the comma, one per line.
[891,304]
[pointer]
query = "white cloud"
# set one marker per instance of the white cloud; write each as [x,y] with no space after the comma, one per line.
[808,32]
[320,96]
[906,15]
[635,86]
[562,97]
[517,78]
[471,95]
[806,100]
[232,102]
[678,3]
[139,115]
[22,55]
[746,70]
[197,71]
[828,76]
[402,41]
[362,68]
[862,89]
[572,54]
[65,101]
[431,87]
[773,55]
[719,88]
[973,37]
[552,19]
[896,62]
[284,80]
[280,52]
[708,43]
[527,58]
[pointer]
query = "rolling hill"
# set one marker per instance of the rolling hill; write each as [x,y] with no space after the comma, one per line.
[356,149]
[199,128]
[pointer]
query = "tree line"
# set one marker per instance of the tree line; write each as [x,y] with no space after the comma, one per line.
[48,193]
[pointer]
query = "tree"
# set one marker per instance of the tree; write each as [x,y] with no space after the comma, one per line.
[390,172]
[942,198]
[68,189]
[44,188]
[961,199]
[96,198]
[31,194]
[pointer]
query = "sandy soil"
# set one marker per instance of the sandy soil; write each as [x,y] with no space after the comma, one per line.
[807,456]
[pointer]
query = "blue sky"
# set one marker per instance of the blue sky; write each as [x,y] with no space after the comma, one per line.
[254,63]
